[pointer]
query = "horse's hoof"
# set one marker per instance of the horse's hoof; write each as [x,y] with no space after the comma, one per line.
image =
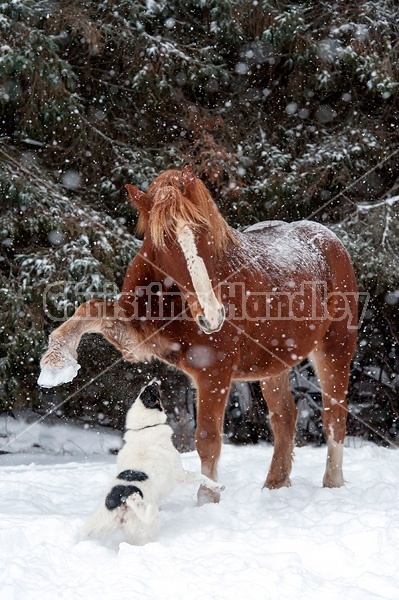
[51,376]
[333,481]
[207,496]
[274,484]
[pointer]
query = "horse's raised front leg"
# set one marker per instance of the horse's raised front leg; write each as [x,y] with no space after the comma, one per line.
[59,364]
[213,391]
[283,415]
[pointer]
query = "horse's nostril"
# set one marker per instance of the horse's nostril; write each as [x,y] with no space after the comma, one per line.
[206,325]
[203,323]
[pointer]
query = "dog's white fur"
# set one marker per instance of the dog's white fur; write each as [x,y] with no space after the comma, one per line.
[148,449]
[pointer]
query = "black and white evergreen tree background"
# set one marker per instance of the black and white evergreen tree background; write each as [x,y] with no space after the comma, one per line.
[287,110]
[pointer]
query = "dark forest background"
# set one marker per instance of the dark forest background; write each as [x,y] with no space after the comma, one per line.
[287,110]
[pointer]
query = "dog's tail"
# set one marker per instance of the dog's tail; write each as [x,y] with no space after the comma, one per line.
[108,516]
[147,513]
[134,499]
[102,522]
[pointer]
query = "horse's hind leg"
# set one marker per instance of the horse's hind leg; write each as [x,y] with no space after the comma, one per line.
[332,361]
[59,364]
[283,415]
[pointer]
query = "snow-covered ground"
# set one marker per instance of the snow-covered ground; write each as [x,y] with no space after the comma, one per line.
[299,542]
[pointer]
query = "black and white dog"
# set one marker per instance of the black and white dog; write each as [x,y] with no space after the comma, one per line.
[148,468]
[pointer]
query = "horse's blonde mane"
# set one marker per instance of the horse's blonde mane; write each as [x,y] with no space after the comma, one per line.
[170,204]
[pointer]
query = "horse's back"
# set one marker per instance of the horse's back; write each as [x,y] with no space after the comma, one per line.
[264,225]
[297,247]
[283,231]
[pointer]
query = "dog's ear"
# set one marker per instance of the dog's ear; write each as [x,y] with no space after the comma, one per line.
[151,397]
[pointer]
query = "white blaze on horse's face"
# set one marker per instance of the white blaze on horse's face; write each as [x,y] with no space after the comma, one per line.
[213,311]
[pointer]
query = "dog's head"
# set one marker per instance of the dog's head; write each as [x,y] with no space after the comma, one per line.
[150,396]
[147,409]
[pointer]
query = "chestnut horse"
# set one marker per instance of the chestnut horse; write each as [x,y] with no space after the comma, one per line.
[224,305]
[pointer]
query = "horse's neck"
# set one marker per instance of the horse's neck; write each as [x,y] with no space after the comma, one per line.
[147,315]
[138,274]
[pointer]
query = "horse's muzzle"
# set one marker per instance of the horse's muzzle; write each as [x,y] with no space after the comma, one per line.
[208,327]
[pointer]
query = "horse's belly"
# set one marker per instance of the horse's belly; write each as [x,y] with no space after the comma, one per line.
[268,352]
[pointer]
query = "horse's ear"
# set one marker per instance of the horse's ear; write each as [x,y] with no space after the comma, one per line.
[137,197]
[187,179]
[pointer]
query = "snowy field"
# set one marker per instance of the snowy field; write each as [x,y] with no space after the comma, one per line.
[300,542]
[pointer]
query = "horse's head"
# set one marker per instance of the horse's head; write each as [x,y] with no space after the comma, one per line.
[186,236]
